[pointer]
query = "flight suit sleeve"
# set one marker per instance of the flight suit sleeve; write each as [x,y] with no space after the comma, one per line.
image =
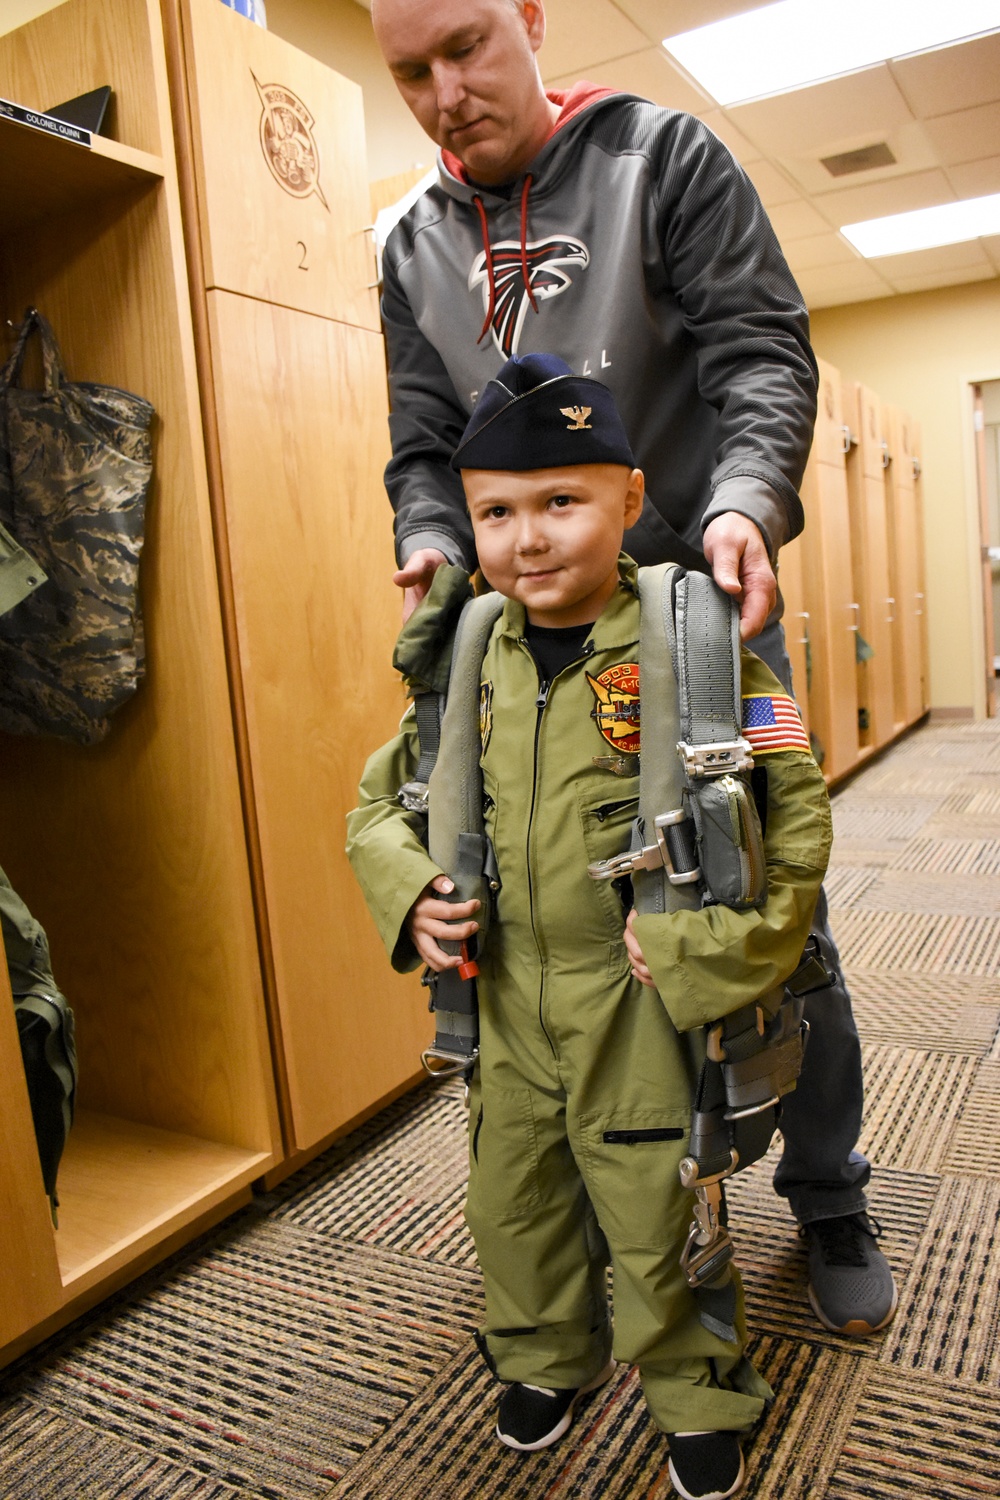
[385,844]
[708,963]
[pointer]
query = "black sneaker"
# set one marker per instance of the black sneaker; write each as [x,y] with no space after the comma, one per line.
[706,1465]
[533,1417]
[850,1283]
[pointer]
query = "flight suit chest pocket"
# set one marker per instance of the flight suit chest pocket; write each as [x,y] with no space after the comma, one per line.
[607,814]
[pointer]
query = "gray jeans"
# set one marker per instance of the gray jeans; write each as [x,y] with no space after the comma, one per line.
[820,1172]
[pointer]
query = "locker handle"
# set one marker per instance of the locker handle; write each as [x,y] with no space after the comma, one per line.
[855,626]
[886,455]
[916,468]
[847,438]
[890,619]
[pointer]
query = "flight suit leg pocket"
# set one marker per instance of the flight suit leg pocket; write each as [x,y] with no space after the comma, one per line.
[630,1159]
[503,1165]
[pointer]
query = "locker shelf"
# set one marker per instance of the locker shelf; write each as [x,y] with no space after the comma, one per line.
[42,175]
[124,1187]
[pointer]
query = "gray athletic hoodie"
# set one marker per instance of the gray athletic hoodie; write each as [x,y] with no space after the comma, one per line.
[635,247]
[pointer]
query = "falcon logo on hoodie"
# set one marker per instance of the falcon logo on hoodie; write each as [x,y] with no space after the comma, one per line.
[544,261]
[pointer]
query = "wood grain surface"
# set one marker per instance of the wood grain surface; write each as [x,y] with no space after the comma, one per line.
[301,408]
[283,195]
[829,588]
[870,560]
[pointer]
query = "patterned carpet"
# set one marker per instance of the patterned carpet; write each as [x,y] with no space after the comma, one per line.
[318,1344]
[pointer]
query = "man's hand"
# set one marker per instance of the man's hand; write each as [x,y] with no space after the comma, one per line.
[640,969]
[740,565]
[431,921]
[416,577]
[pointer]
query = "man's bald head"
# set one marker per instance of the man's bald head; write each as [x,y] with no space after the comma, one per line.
[467,70]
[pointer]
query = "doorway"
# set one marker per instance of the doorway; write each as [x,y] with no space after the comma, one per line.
[986,400]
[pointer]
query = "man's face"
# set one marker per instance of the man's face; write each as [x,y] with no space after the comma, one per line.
[551,537]
[467,70]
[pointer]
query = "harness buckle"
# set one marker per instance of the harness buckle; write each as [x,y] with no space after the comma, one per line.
[708,1248]
[717,759]
[413,796]
[650,857]
[452,1063]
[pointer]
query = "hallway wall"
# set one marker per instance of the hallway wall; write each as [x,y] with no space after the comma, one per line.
[919,352]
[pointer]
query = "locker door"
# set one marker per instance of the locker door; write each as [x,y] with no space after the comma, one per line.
[904,569]
[829,590]
[922,611]
[870,562]
[796,622]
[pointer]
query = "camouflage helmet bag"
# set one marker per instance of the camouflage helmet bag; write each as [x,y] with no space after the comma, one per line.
[75,466]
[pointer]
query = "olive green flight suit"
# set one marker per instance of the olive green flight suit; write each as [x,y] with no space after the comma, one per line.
[580,1108]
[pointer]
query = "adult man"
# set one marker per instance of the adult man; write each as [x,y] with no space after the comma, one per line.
[625,239]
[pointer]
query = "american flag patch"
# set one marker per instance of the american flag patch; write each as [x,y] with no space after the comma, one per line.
[772,724]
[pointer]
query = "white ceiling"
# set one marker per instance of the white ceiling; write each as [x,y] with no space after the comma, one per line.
[939,114]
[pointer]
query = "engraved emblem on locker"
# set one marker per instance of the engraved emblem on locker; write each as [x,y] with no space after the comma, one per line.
[287,141]
[616,711]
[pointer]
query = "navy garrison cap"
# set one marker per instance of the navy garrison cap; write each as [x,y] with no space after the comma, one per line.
[536,414]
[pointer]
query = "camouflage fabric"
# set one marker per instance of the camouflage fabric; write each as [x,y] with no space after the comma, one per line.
[45,1030]
[75,466]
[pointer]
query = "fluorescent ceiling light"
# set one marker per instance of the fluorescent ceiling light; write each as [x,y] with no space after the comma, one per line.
[947,224]
[797,42]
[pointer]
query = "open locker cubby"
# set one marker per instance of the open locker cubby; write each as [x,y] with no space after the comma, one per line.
[132,853]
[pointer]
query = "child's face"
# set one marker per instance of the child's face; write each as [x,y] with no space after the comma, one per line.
[551,537]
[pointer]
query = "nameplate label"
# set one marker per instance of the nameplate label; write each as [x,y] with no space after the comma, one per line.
[48,123]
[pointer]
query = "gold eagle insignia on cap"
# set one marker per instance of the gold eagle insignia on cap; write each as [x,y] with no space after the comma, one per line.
[577,417]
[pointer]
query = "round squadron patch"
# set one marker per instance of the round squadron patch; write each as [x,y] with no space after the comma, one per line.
[485,714]
[616,712]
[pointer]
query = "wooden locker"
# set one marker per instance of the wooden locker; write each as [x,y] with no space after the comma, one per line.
[870,562]
[904,569]
[795,622]
[293,375]
[131,853]
[829,591]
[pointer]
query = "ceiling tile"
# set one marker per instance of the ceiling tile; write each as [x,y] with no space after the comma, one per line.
[828,117]
[584,34]
[772,185]
[647,73]
[936,83]
[966,135]
[942,278]
[943,259]
[818,250]
[660,18]
[991,244]
[796,221]
[737,142]
[825,286]
[908,143]
[897,195]
[975,179]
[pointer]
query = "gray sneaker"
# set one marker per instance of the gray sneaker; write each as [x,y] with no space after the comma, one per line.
[850,1283]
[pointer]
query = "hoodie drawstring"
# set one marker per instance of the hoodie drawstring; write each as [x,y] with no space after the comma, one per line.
[484,229]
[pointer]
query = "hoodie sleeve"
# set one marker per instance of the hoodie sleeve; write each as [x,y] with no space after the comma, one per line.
[746,315]
[425,424]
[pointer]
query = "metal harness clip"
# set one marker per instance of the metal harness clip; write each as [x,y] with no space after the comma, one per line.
[708,1248]
[718,759]
[649,857]
[413,796]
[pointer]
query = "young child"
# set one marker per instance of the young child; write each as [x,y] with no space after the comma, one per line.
[580,1104]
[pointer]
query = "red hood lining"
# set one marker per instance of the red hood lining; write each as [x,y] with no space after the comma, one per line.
[571,102]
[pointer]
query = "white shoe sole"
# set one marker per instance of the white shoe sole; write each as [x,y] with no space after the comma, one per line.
[713,1494]
[857,1328]
[565,1422]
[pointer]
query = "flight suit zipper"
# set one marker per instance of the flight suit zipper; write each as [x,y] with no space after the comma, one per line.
[542,698]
